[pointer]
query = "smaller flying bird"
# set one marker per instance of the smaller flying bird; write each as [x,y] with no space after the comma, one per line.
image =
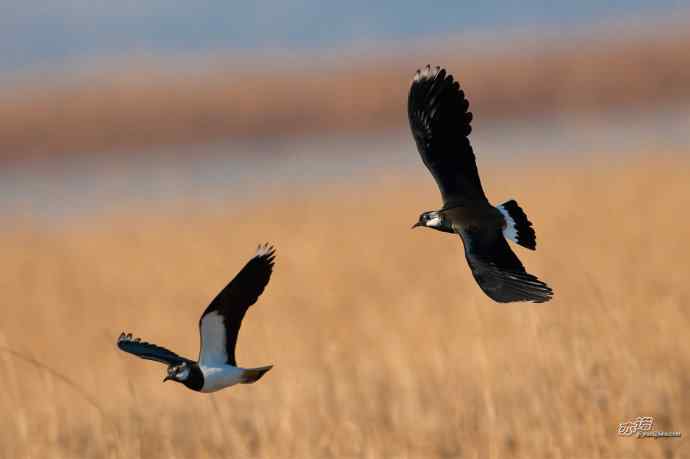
[440,123]
[219,326]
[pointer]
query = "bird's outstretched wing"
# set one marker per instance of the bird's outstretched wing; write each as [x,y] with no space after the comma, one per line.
[220,323]
[440,123]
[148,351]
[498,271]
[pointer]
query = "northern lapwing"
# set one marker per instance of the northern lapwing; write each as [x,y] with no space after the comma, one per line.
[218,327]
[440,122]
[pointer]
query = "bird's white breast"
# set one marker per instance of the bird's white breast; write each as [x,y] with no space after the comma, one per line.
[218,377]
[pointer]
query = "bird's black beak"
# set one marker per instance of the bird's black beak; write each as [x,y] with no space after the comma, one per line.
[166,378]
[416,225]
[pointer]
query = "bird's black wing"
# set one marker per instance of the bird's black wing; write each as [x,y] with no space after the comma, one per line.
[440,122]
[220,322]
[498,271]
[148,351]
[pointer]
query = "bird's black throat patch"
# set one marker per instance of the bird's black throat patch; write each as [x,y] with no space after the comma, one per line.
[196,378]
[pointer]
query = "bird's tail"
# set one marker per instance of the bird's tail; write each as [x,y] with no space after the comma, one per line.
[250,375]
[517,228]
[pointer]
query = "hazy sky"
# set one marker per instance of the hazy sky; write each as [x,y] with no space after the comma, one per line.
[50,32]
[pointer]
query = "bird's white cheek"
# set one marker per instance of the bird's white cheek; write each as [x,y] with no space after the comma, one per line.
[435,222]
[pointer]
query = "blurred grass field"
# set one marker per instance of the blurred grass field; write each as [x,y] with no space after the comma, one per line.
[382,343]
[128,106]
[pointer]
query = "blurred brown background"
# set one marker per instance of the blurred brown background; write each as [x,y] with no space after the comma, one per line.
[145,151]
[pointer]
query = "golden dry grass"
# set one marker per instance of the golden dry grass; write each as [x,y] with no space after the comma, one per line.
[383,344]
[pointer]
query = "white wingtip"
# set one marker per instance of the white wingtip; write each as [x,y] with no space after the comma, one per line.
[264,249]
[127,337]
[426,73]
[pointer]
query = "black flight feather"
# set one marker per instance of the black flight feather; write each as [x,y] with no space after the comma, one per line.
[440,123]
[498,271]
[148,351]
[242,292]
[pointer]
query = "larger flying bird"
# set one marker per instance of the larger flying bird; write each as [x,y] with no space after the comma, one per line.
[219,326]
[440,122]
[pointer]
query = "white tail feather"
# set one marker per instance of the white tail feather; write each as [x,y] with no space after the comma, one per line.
[510,231]
[517,227]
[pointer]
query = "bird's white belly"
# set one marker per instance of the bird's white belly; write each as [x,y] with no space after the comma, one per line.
[216,378]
